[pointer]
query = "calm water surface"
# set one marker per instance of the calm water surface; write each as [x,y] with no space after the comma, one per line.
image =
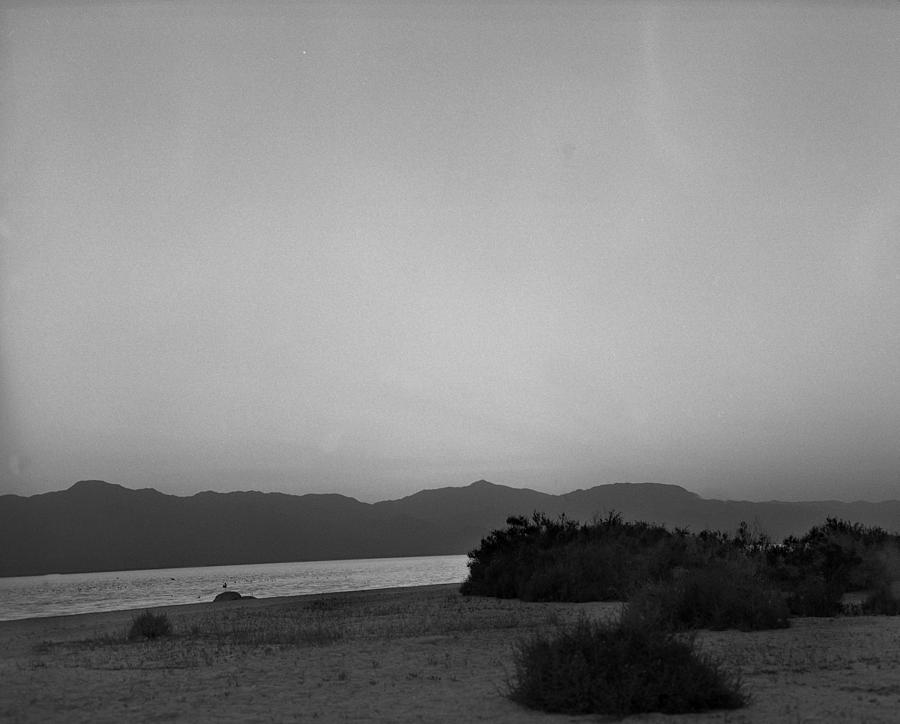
[61,594]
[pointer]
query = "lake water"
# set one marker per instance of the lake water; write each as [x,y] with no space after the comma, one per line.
[62,594]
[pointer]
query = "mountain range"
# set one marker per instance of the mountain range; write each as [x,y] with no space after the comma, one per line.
[100,526]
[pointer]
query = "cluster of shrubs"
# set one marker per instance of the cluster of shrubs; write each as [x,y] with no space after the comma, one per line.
[817,570]
[673,581]
[609,559]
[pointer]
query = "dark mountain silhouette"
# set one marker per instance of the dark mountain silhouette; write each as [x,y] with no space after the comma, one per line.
[98,526]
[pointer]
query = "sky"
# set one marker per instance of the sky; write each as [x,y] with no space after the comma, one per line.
[371,248]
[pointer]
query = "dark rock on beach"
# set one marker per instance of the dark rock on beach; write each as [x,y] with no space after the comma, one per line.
[229,596]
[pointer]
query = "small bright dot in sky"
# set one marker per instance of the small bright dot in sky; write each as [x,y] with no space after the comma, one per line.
[548,245]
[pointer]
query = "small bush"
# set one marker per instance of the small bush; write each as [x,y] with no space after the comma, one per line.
[620,669]
[149,625]
[724,595]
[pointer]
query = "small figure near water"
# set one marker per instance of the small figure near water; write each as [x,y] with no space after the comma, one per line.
[225,585]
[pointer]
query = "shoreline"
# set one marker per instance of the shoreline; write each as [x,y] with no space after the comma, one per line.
[418,653]
[49,596]
[174,607]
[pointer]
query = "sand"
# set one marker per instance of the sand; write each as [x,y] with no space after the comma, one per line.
[417,654]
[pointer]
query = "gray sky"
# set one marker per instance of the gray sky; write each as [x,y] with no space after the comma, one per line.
[371,248]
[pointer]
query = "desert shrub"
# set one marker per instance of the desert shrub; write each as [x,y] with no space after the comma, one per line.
[540,559]
[846,555]
[149,625]
[812,595]
[881,602]
[730,581]
[817,569]
[724,595]
[590,571]
[506,556]
[620,669]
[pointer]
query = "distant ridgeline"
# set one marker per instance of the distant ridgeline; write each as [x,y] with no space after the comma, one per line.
[98,526]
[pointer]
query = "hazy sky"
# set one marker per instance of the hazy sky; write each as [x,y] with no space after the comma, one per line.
[374,247]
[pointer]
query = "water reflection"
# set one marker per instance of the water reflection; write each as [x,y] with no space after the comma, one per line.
[61,594]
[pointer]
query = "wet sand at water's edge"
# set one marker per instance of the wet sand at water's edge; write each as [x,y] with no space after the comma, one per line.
[423,654]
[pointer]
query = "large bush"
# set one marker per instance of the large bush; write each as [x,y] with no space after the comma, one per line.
[620,669]
[817,569]
[539,559]
[723,595]
[882,602]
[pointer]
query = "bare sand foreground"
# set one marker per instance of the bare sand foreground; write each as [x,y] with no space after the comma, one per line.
[416,654]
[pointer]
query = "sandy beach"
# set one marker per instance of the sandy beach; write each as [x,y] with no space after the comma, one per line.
[412,654]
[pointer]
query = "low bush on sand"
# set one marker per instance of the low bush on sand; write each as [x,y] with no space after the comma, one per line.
[149,625]
[619,668]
